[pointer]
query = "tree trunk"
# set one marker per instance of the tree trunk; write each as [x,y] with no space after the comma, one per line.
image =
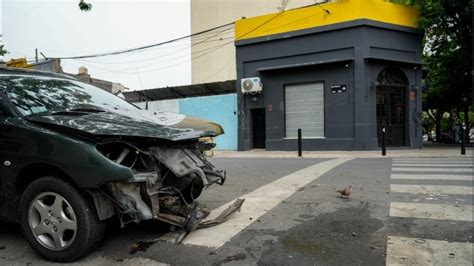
[438,126]
[466,116]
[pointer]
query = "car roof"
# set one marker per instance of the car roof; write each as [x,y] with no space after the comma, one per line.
[31,72]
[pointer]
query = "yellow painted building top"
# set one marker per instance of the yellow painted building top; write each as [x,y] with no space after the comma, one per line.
[315,16]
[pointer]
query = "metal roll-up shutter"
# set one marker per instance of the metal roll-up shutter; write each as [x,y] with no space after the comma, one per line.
[304,108]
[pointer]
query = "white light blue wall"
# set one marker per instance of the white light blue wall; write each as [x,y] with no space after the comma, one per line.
[220,109]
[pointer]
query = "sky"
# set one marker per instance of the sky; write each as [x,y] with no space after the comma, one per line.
[59,29]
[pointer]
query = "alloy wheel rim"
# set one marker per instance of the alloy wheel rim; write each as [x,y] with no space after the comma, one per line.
[52,221]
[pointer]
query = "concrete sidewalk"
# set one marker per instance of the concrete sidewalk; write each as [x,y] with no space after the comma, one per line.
[428,151]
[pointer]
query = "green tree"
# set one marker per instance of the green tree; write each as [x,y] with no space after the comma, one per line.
[84,6]
[447,55]
[3,51]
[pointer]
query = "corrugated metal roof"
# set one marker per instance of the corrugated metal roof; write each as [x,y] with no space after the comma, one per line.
[186,91]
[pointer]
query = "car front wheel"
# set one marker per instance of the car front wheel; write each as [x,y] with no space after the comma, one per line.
[58,222]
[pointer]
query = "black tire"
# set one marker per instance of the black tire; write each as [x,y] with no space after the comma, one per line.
[89,230]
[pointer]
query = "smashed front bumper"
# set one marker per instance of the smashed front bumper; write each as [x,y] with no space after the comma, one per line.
[168,190]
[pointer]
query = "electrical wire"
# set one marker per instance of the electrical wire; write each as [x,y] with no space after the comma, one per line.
[315,4]
[232,59]
[194,58]
[126,70]
[146,46]
[209,50]
[155,57]
[198,40]
[225,44]
[286,24]
[259,26]
[324,9]
[182,38]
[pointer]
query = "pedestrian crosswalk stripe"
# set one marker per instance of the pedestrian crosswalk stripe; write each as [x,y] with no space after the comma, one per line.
[431,165]
[455,158]
[443,161]
[427,189]
[432,177]
[431,211]
[413,251]
[435,161]
[413,169]
[464,158]
[257,203]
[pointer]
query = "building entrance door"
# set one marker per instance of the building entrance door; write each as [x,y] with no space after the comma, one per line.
[391,106]
[258,128]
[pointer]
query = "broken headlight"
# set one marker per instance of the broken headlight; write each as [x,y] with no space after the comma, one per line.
[127,155]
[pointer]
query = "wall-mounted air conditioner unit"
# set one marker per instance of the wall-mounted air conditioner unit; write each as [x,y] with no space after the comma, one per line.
[251,85]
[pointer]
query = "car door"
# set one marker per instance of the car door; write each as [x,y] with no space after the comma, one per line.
[10,158]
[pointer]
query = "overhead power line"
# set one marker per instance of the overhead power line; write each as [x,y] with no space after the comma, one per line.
[168,47]
[200,37]
[146,46]
[319,4]
[187,36]
[324,9]
[130,70]
[161,56]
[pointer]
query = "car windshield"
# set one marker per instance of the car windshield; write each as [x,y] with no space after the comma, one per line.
[36,94]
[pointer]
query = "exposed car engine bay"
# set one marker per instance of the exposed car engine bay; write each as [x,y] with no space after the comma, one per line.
[167,181]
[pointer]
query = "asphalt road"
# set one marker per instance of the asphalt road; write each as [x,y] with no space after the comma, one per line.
[402,211]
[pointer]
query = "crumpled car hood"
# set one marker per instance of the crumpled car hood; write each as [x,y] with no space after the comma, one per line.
[103,121]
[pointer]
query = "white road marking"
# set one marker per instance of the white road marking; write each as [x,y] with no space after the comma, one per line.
[257,203]
[431,165]
[434,161]
[427,189]
[457,158]
[413,251]
[463,158]
[431,211]
[432,177]
[412,169]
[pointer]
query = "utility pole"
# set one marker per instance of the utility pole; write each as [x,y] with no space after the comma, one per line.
[36,55]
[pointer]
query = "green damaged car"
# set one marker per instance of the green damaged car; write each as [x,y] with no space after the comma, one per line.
[73,156]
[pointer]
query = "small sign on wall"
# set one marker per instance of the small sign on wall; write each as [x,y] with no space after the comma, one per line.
[338,89]
[269,107]
[412,95]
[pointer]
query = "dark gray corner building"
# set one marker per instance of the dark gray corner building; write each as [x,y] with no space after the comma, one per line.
[339,76]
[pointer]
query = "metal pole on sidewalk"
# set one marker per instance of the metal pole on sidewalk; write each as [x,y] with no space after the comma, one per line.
[463,139]
[384,144]
[300,143]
